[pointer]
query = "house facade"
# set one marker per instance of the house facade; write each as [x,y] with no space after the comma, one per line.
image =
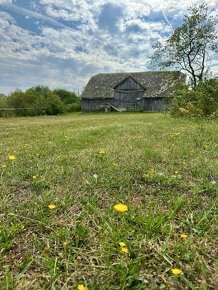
[140,91]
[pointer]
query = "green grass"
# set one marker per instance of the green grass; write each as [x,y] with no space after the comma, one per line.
[78,241]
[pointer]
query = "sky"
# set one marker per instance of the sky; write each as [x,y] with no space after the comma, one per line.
[62,43]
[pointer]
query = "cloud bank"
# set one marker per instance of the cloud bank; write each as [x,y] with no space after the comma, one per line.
[62,43]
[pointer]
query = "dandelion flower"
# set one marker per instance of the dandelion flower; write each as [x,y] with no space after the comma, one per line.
[183,236]
[11,157]
[65,243]
[115,164]
[122,244]
[82,287]
[101,152]
[176,172]
[52,206]
[176,271]
[3,166]
[34,177]
[121,207]
[124,250]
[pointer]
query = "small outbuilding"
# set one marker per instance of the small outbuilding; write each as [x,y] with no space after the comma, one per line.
[134,91]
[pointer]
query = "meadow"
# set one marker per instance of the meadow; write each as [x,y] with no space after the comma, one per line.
[108,201]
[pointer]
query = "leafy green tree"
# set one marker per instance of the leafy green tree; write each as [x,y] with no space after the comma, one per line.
[54,105]
[191,45]
[202,101]
[44,90]
[66,96]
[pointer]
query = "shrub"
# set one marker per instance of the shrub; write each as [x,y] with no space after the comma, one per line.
[199,101]
[54,105]
[71,100]
[40,100]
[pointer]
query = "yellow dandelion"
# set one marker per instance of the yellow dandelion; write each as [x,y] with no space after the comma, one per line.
[122,244]
[101,152]
[115,164]
[37,154]
[82,287]
[34,177]
[176,172]
[66,136]
[52,206]
[183,236]
[11,157]
[65,243]
[3,166]
[124,250]
[121,207]
[176,271]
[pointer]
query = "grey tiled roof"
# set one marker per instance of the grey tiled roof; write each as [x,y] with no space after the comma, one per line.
[156,84]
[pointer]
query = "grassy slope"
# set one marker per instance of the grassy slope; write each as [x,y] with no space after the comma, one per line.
[63,153]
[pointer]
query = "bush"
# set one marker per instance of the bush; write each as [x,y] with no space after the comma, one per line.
[40,100]
[71,100]
[199,101]
[54,105]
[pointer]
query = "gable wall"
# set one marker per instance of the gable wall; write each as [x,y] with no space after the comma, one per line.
[128,85]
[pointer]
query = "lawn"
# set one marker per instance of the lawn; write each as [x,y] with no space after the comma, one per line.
[162,169]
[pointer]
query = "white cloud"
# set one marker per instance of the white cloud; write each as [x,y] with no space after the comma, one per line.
[5,2]
[71,45]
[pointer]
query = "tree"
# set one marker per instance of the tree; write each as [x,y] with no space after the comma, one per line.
[191,45]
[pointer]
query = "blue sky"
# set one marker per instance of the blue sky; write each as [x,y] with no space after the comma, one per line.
[62,43]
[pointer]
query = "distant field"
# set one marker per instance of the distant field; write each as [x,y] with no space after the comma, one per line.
[162,169]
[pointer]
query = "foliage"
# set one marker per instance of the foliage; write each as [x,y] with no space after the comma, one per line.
[199,101]
[191,45]
[66,96]
[160,167]
[40,100]
[71,99]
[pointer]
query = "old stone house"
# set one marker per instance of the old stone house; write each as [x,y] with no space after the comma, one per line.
[139,91]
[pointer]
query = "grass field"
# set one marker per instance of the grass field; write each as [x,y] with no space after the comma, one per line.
[162,169]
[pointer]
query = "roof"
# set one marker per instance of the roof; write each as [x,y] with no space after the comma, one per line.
[156,84]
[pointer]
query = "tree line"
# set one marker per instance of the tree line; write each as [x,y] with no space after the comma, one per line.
[39,100]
